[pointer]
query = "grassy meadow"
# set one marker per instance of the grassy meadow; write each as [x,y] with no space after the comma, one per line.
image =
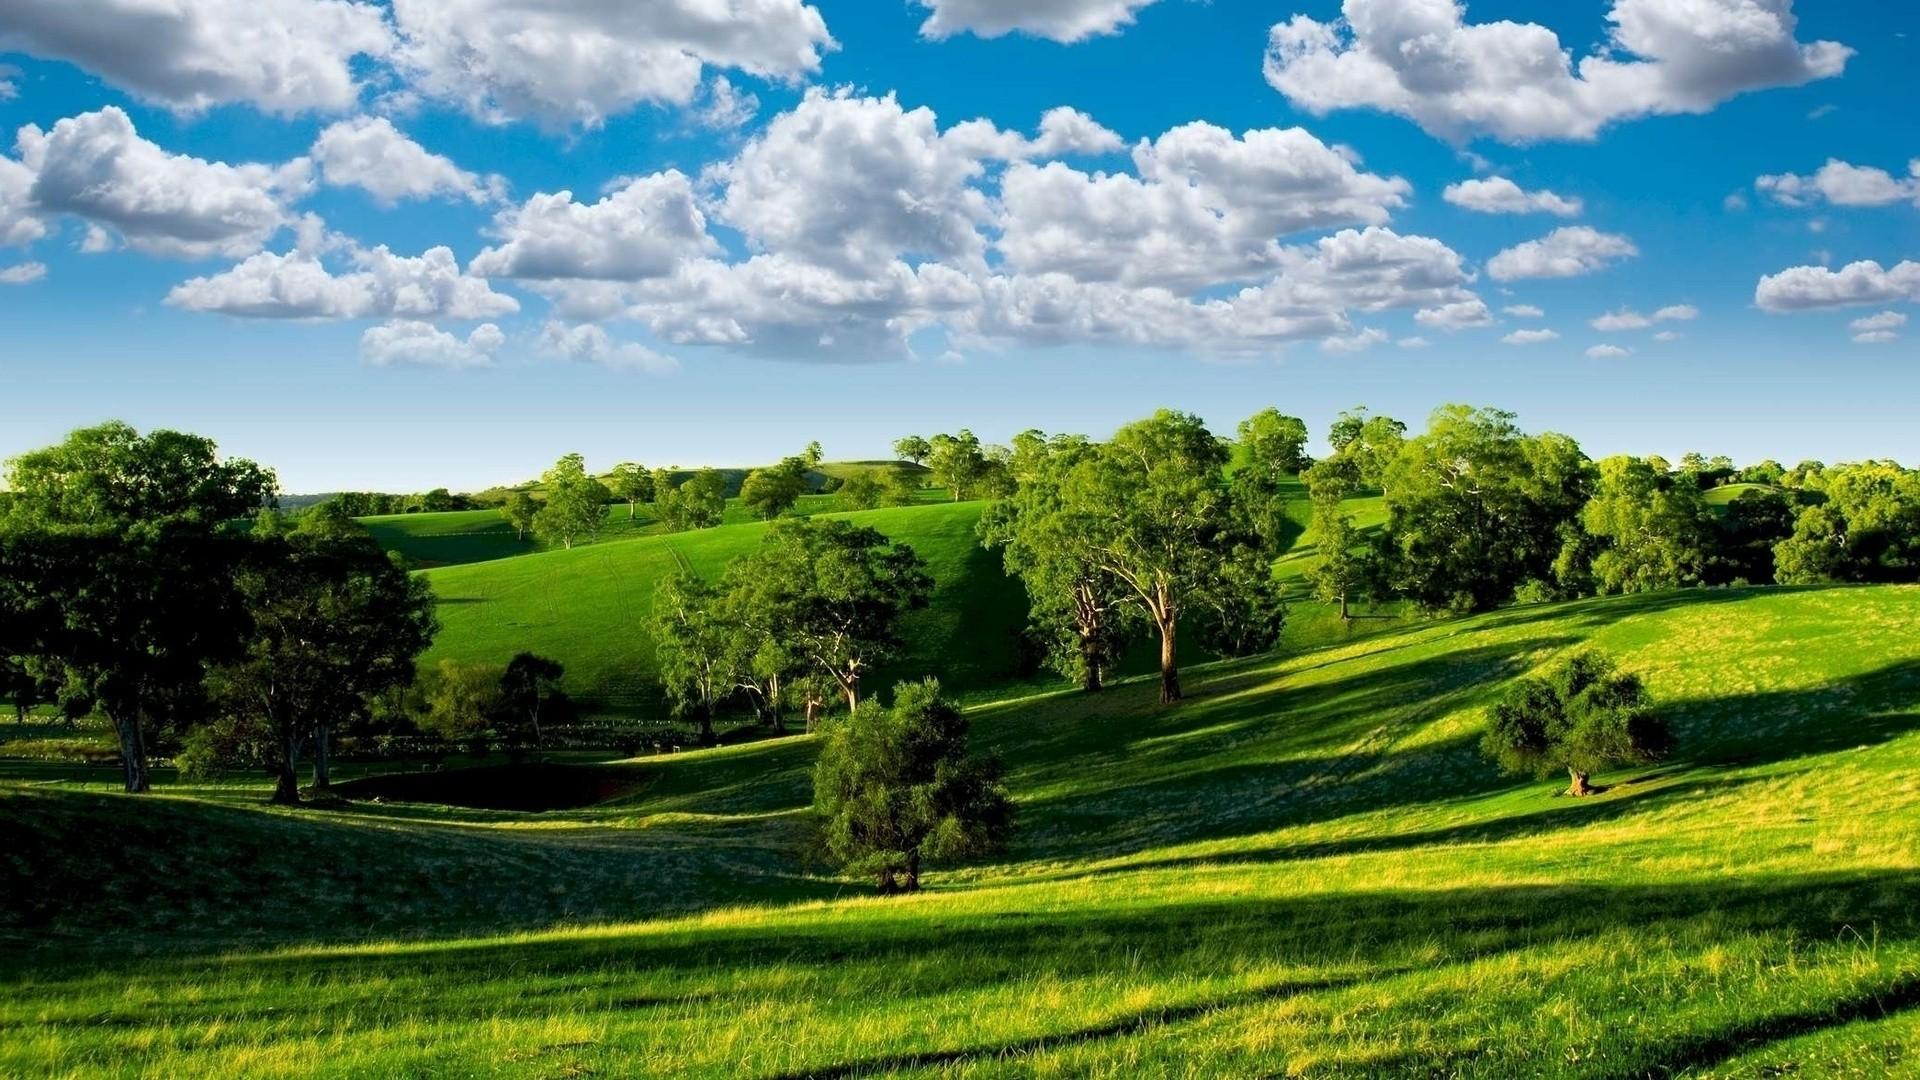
[1305,870]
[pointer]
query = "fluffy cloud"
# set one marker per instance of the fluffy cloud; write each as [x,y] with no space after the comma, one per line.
[646,228]
[23,273]
[1460,315]
[1627,319]
[95,166]
[1515,81]
[1841,184]
[1524,311]
[1499,195]
[1877,329]
[1206,207]
[1810,288]
[19,225]
[590,343]
[1359,341]
[9,89]
[283,56]
[1064,21]
[1562,253]
[298,285]
[371,154]
[565,62]
[855,182]
[407,341]
[1530,337]
[1063,130]
[1608,352]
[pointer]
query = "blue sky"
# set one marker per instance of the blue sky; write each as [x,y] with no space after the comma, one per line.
[769,242]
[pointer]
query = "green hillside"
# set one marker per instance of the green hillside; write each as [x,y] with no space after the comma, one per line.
[589,607]
[1305,870]
[458,537]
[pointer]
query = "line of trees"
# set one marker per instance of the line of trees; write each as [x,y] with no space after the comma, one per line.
[149,578]
[797,622]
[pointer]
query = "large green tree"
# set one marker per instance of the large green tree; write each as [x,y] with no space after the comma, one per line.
[521,510]
[116,551]
[694,648]
[1655,529]
[1082,611]
[1865,529]
[774,490]
[1475,507]
[1151,508]
[833,594]
[700,502]
[1269,452]
[530,690]
[333,626]
[959,463]
[576,504]
[895,788]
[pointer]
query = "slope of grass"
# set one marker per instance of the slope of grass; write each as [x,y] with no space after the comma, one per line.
[589,607]
[1304,870]
[458,537]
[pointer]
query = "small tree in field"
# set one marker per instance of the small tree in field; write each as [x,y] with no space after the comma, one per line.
[576,504]
[896,788]
[632,483]
[694,648]
[912,448]
[1582,716]
[529,688]
[520,509]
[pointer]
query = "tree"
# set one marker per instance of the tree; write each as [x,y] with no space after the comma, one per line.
[576,504]
[520,510]
[912,448]
[699,503]
[333,625]
[330,521]
[1079,609]
[1339,573]
[833,593]
[958,462]
[694,648]
[1475,507]
[1271,449]
[774,490]
[1867,529]
[460,704]
[530,688]
[1152,509]
[1656,530]
[1582,716]
[634,484]
[116,552]
[1756,522]
[863,490]
[896,788]
[1367,442]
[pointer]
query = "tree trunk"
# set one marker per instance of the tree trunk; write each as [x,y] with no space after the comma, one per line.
[1579,786]
[1090,663]
[322,766]
[913,872]
[813,714]
[1169,670]
[707,737]
[286,785]
[1344,616]
[887,886]
[133,754]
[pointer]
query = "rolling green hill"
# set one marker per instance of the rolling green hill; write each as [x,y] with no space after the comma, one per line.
[589,607]
[458,537]
[1305,870]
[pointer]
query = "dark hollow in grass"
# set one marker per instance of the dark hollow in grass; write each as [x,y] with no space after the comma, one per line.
[529,788]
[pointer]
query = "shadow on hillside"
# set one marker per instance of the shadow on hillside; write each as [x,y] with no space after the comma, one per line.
[1251,751]
[900,952]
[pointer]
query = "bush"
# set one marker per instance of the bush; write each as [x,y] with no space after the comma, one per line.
[1583,716]
[896,787]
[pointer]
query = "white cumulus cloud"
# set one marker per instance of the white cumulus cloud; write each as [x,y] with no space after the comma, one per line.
[370,153]
[409,341]
[578,62]
[298,285]
[1809,288]
[1839,183]
[589,342]
[1518,82]
[281,56]
[1065,21]
[1530,337]
[1877,329]
[1562,253]
[646,228]
[1607,352]
[23,273]
[1499,195]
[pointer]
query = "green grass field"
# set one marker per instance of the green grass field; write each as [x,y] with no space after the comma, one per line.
[1304,870]
[458,537]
